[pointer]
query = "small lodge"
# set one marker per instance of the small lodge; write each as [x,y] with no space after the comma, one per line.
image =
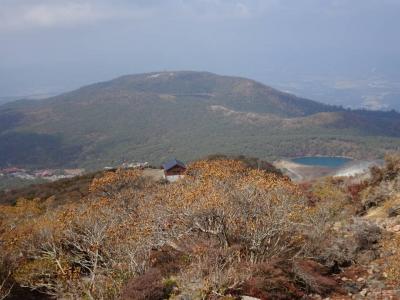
[174,170]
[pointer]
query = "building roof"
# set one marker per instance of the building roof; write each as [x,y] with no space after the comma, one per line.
[172,163]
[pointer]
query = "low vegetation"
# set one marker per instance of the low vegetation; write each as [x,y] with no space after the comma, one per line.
[228,229]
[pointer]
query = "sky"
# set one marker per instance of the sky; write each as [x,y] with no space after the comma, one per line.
[344,52]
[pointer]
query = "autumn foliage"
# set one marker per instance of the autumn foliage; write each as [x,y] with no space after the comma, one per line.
[223,229]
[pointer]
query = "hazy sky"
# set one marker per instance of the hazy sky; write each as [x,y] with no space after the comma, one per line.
[56,45]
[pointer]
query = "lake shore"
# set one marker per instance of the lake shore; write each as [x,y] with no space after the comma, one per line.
[298,172]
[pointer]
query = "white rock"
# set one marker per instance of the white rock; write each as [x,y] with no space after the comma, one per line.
[364,292]
[249,298]
[360,279]
[395,228]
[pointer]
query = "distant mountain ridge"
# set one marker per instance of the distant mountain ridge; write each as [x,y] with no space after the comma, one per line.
[187,114]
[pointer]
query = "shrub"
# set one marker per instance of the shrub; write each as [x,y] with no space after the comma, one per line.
[345,245]
[5,284]
[249,162]
[210,228]
[213,271]
[224,200]
[84,248]
[272,280]
[167,260]
[392,263]
[394,211]
[148,286]
[366,234]
[313,277]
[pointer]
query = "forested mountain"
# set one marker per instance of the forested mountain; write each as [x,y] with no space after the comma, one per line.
[184,114]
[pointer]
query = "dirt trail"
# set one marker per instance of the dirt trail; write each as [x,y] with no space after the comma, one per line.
[156,174]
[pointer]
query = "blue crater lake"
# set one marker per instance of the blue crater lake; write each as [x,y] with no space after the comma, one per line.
[323,161]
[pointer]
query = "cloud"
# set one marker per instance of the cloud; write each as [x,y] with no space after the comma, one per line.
[33,14]
[47,15]
[20,15]
[25,14]
[218,8]
[375,102]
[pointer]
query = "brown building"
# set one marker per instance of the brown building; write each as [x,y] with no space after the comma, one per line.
[174,168]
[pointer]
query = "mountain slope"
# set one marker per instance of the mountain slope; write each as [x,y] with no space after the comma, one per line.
[187,114]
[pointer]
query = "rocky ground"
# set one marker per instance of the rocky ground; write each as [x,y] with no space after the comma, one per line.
[368,279]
